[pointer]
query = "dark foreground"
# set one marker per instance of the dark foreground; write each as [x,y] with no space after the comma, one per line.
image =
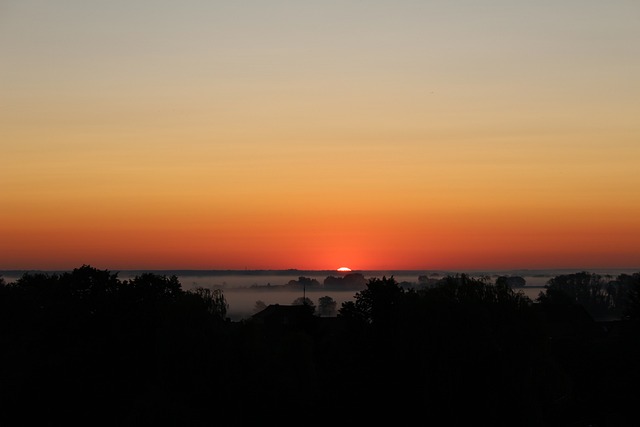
[87,348]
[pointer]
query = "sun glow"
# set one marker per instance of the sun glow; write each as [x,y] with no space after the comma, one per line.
[344,269]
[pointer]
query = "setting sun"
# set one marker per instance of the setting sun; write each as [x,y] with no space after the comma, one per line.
[344,269]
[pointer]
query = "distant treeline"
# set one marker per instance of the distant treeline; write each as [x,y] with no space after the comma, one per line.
[600,295]
[86,347]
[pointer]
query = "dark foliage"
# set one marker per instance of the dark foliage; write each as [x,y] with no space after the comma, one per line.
[86,347]
[599,297]
[327,306]
[625,292]
[349,281]
[304,282]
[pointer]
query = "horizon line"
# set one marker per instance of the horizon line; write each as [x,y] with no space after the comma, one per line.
[248,270]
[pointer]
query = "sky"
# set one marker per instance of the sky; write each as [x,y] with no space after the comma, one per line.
[280,134]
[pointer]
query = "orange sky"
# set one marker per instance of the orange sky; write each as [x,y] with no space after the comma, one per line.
[315,135]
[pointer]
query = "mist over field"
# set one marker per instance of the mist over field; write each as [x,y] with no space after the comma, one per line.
[243,288]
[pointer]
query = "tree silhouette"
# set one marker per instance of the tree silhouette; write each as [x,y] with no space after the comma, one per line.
[259,306]
[304,301]
[214,300]
[583,288]
[353,281]
[628,291]
[377,304]
[326,306]
[304,281]
[150,287]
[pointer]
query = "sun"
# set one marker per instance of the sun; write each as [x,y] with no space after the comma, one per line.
[344,269]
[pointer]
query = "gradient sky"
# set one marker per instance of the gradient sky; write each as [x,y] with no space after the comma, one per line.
[297,134]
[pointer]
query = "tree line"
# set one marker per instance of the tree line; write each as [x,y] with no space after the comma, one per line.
[85,346]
